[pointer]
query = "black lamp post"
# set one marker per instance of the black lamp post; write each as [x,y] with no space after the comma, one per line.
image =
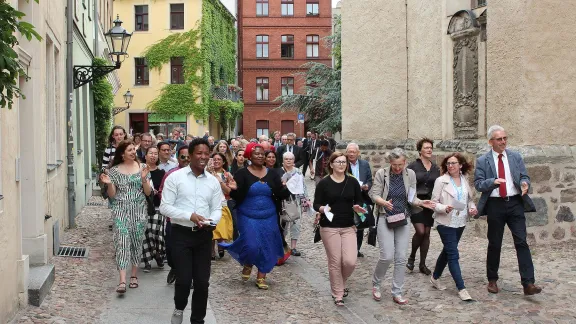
[118,39]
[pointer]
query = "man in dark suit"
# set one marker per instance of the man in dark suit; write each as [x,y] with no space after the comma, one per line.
[310,144]
[502,178]
[360,169]
[290,147]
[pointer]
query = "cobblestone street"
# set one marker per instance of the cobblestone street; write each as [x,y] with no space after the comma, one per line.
[299,291]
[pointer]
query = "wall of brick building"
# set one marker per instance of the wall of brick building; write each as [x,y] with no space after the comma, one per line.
[275,67]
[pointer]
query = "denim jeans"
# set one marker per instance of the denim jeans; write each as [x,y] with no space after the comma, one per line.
[449,256]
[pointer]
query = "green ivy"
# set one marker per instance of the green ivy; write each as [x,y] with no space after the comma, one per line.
[211,64]
[10,67]
[103,109]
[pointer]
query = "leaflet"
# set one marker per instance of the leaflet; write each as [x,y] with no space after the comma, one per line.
[328,214]
[458,205]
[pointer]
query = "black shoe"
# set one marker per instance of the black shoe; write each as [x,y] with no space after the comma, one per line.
[424,269]
[295,252]
[192,286]
[360,254]
[213,258]
[147,267]
[221,254]
[410,264]
[110,227]
[171,276]
[160,262]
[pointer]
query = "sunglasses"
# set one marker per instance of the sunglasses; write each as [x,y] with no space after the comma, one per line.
[184,157]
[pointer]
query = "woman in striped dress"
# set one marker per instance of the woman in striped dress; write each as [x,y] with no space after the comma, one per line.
[128,182]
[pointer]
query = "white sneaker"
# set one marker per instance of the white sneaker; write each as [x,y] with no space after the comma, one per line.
[464,295]
[376,293]
[436,284]
[177,317]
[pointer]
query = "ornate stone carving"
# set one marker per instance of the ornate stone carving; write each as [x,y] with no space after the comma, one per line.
[464,29]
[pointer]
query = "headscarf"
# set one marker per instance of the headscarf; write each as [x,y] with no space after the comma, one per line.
[249,148]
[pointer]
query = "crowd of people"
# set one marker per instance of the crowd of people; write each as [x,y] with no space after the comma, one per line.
[186,200]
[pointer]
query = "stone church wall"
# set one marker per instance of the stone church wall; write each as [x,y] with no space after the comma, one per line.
[552,169]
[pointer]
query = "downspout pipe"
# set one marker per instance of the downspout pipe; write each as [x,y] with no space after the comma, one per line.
[69,115]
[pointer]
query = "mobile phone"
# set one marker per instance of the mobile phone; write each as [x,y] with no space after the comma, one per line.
[207,223]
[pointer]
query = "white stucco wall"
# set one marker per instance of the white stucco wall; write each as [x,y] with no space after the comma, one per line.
[374,93]
[531,70]
[424,71]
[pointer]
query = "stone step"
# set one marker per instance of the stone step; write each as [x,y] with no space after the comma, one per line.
[41,278]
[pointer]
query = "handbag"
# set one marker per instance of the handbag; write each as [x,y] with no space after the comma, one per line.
[290,210]
[150,205]
[317,237]
[373,234]
[394,221]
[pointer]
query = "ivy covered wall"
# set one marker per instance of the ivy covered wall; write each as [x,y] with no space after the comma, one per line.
[211,64]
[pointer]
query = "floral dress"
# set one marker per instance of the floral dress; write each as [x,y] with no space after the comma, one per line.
[129,211]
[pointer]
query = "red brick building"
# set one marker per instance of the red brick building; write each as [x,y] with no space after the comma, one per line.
[275,38]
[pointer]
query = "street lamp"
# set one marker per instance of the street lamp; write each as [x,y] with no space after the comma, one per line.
[117,39]
[128,96]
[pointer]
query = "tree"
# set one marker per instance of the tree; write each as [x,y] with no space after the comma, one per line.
[10,67]
[322,100]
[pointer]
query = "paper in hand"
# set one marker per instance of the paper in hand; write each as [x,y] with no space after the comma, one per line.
[296,184]
[411,194]
[327,212]
[458,205]
[361,183]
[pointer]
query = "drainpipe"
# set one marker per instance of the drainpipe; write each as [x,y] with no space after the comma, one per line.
[69,115]
[96,29]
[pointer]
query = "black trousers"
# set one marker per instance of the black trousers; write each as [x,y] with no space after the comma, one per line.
[167,238]
[306,163]
[509,212]
[192,256]
[359,238]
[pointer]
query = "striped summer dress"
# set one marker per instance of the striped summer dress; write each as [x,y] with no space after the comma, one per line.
[129,211]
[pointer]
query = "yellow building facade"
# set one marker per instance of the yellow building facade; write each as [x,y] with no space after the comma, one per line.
[152,21]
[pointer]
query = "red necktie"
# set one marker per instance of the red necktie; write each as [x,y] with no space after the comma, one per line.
[502,175]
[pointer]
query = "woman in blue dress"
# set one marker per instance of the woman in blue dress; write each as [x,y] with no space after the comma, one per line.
[259,242]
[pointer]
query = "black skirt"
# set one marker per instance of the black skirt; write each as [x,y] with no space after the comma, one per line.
[423,217]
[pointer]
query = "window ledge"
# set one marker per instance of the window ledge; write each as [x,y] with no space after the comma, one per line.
[1,197]
[287,58]
[141,85]
[52,167]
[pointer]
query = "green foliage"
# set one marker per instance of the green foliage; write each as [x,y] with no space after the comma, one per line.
[322,100]
[103,109]
[227,111]
[10,68]
[213,63]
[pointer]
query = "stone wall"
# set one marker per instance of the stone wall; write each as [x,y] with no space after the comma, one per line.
[552,169]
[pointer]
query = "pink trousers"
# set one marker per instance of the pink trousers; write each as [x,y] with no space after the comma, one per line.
[341,251]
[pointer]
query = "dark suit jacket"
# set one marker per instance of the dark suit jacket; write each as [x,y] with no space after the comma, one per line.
[296,150]
[486,173]
[365,173]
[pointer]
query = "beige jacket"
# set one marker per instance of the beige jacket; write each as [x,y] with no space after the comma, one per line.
[443,194]
[381,184]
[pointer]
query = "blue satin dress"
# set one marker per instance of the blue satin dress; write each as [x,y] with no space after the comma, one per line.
[259,242]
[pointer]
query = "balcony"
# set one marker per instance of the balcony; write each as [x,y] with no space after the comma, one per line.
[226,92]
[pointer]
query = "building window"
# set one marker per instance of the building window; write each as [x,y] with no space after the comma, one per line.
[262,8]
[312,45]
[287,7]
[478,3]
[287,126]
[287,48]
[142,73]
[177,70]
[177,16]
[261,89]
[90,10]
[52,106]
[141,18]
[83,26]
[262,46]
[312,8]
[262,127]
[287,86]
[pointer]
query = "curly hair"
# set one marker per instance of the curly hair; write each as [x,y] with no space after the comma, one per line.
[466,166]
[421,142]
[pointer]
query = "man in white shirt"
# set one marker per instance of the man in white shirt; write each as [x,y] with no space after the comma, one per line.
[190,197]
[165,154]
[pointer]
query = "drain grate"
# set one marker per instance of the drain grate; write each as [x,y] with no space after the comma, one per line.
[74,252]
[97,203]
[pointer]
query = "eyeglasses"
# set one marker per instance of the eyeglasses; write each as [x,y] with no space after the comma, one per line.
[500,139]
[184,157]
[339,162]
[451,163]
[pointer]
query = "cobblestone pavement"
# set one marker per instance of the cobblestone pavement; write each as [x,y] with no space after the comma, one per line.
[299,290]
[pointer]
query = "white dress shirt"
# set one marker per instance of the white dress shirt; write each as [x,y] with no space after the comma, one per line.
[355,169]
[168,165]
[510,188]
[184,194]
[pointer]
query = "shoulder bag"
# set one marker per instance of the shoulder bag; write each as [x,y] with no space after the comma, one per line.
[373,233]
[290,210]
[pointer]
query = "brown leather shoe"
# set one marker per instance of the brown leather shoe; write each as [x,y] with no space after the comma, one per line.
[532,289]
[493,287]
